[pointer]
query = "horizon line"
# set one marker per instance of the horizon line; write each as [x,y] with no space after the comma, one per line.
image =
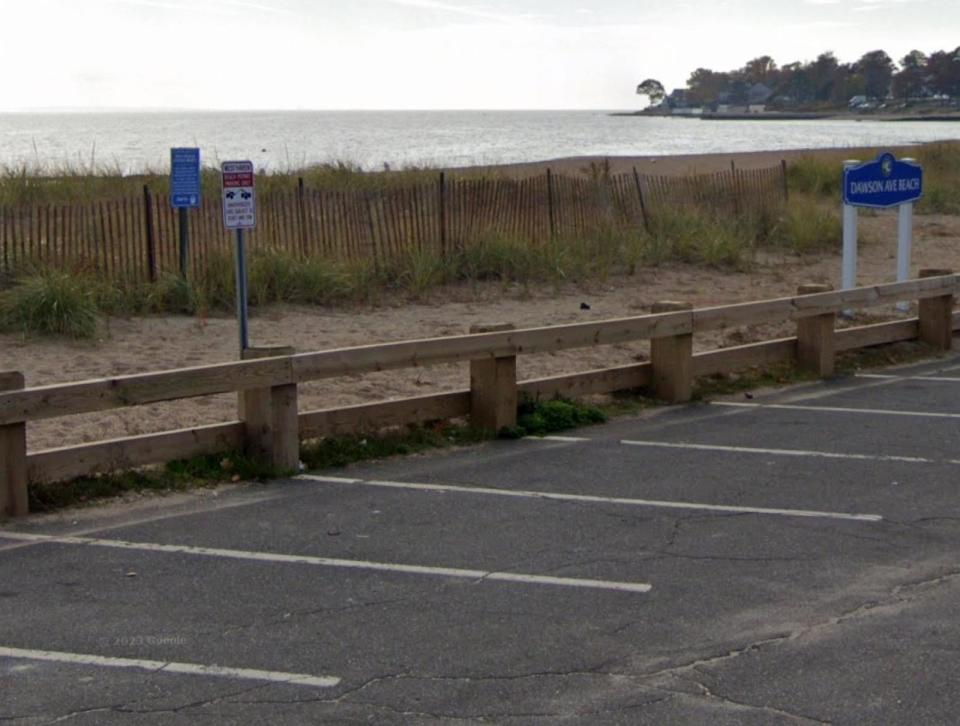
[186,109]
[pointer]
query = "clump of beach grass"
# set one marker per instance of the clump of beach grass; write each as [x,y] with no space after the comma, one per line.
[50,303]
[817,175]
[807,225]
[701,236]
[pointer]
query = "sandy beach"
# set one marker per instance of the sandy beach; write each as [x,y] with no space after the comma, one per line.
[689,163]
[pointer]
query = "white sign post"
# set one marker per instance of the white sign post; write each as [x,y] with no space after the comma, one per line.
[240,213]
[904,245]
[850,217]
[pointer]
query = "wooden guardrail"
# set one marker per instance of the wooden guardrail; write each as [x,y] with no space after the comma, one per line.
[269,423]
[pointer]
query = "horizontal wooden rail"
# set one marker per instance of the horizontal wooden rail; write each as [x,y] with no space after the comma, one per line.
[374,416]
[103,394]
[803,306]
[143,388]
[53,465]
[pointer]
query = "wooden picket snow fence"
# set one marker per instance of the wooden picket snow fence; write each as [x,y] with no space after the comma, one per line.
[136,238]
[270,426]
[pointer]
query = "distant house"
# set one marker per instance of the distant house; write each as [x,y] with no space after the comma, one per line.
[680,104]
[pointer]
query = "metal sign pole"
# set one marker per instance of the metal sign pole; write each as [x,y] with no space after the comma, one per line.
[904,247]
[241,269]
[849,241]
[184,241]
[239,213]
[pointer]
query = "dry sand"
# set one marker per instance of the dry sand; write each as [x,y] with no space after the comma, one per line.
[686,164]
[156,343]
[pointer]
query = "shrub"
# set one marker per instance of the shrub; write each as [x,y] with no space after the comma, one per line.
[940,197]
[214,285]
[806,225]
[818,175]
[50,303]
[322,282]
[698,235]
[172,294]
[500,257]
[420,271]
[537,418]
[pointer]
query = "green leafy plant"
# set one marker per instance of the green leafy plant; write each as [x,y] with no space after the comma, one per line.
[539,418]
[200,471]
[50,303]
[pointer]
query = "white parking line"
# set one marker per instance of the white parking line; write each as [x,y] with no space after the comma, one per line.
[452,572]
[835,409]
[561,439]
[884,377]
[157,517]
[778,452]
[159,666]
[585,498]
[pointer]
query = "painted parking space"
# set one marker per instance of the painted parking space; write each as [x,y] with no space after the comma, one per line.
[631,571]
[682,469]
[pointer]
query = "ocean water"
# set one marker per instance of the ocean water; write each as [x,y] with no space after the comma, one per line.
[133,142]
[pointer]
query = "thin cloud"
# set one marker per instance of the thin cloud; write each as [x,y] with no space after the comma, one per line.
[244,4]
[820,24]
[218,6]
[467,11]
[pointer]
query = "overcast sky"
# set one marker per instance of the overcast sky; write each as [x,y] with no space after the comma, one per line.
[421,54]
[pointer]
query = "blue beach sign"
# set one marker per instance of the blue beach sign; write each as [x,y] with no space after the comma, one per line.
[886,182]
[184,178]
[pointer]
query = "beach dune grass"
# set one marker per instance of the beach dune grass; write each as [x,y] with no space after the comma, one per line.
[25,184]
[50,302]
[821,174]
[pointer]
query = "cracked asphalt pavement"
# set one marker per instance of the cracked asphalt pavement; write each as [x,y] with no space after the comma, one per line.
[774,617]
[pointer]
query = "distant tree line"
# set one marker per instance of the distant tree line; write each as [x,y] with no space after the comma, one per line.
[820,83]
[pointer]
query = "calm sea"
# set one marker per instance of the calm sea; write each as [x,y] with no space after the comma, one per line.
[286,140]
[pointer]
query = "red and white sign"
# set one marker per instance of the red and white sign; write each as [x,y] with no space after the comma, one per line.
[239,198]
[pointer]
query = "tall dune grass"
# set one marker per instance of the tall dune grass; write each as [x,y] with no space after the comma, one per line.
[821,174]
[78,182]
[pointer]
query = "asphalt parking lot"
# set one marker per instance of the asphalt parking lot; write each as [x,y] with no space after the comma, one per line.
[791,558]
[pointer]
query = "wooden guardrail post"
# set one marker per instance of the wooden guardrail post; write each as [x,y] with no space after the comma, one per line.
[816,351]
[936,316]
[270,418]
[672,359]
[493,387]
[13,457]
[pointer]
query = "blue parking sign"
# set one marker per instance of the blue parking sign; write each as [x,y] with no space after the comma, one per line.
[184,178]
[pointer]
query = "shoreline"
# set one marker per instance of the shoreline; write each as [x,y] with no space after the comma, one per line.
[797,116]
[681,164]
